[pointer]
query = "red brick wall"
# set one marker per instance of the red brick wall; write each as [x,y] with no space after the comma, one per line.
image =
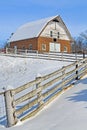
[37,44]
[65,43]
[43,40]
[25,43]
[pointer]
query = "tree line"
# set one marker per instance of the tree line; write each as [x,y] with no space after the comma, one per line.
[80,43]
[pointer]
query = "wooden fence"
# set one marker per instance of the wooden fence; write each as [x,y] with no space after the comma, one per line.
[49,56]
[3,120]
[27,100]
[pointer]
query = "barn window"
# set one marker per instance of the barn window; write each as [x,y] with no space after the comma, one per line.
[43,47]
[23,47]
[51,34]
[58,35]
[30,46]
[65,48]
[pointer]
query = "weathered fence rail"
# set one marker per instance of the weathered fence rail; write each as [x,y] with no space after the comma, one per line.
[29,99]
[51,55]
[3,118]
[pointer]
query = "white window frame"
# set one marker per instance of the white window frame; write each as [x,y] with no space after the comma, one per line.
[43,47]
[65,48]
[30,46]
[51,33]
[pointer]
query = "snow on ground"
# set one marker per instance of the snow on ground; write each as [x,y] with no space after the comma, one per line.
[15,72]
[67,112]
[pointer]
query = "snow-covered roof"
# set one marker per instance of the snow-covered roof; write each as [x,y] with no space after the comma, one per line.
[31,29]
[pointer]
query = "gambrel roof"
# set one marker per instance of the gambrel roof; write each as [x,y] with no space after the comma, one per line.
[34,29]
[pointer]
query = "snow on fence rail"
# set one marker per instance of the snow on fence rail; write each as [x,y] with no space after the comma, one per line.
[51,55]
[27,100]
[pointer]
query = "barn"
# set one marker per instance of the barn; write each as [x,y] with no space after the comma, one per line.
[45,35]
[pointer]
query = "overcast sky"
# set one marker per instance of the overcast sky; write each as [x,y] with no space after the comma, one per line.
[14,13]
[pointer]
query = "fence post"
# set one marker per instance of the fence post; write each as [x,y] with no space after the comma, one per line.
[10,108]
[77,71]
[37,53]
[83,54]
[6,50]
[62,55]
[39,91]
[15,50]
[63,76]
[76,56]
[26,52]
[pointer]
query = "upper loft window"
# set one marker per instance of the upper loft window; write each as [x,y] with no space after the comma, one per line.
[58,35]
[51,34]
[56,20]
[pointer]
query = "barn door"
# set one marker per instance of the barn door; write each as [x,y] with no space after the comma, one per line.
[55,47]
[52,47]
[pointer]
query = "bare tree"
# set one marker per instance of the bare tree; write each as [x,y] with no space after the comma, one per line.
[80,43]
[6,44]
[77,46]
[83,35]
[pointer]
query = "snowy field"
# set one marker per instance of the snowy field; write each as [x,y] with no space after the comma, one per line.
[67,112]
[15,72]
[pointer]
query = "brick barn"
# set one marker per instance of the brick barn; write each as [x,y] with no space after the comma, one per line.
[45,35]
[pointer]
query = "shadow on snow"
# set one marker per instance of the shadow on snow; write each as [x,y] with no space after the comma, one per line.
[3,121]
[80,96]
